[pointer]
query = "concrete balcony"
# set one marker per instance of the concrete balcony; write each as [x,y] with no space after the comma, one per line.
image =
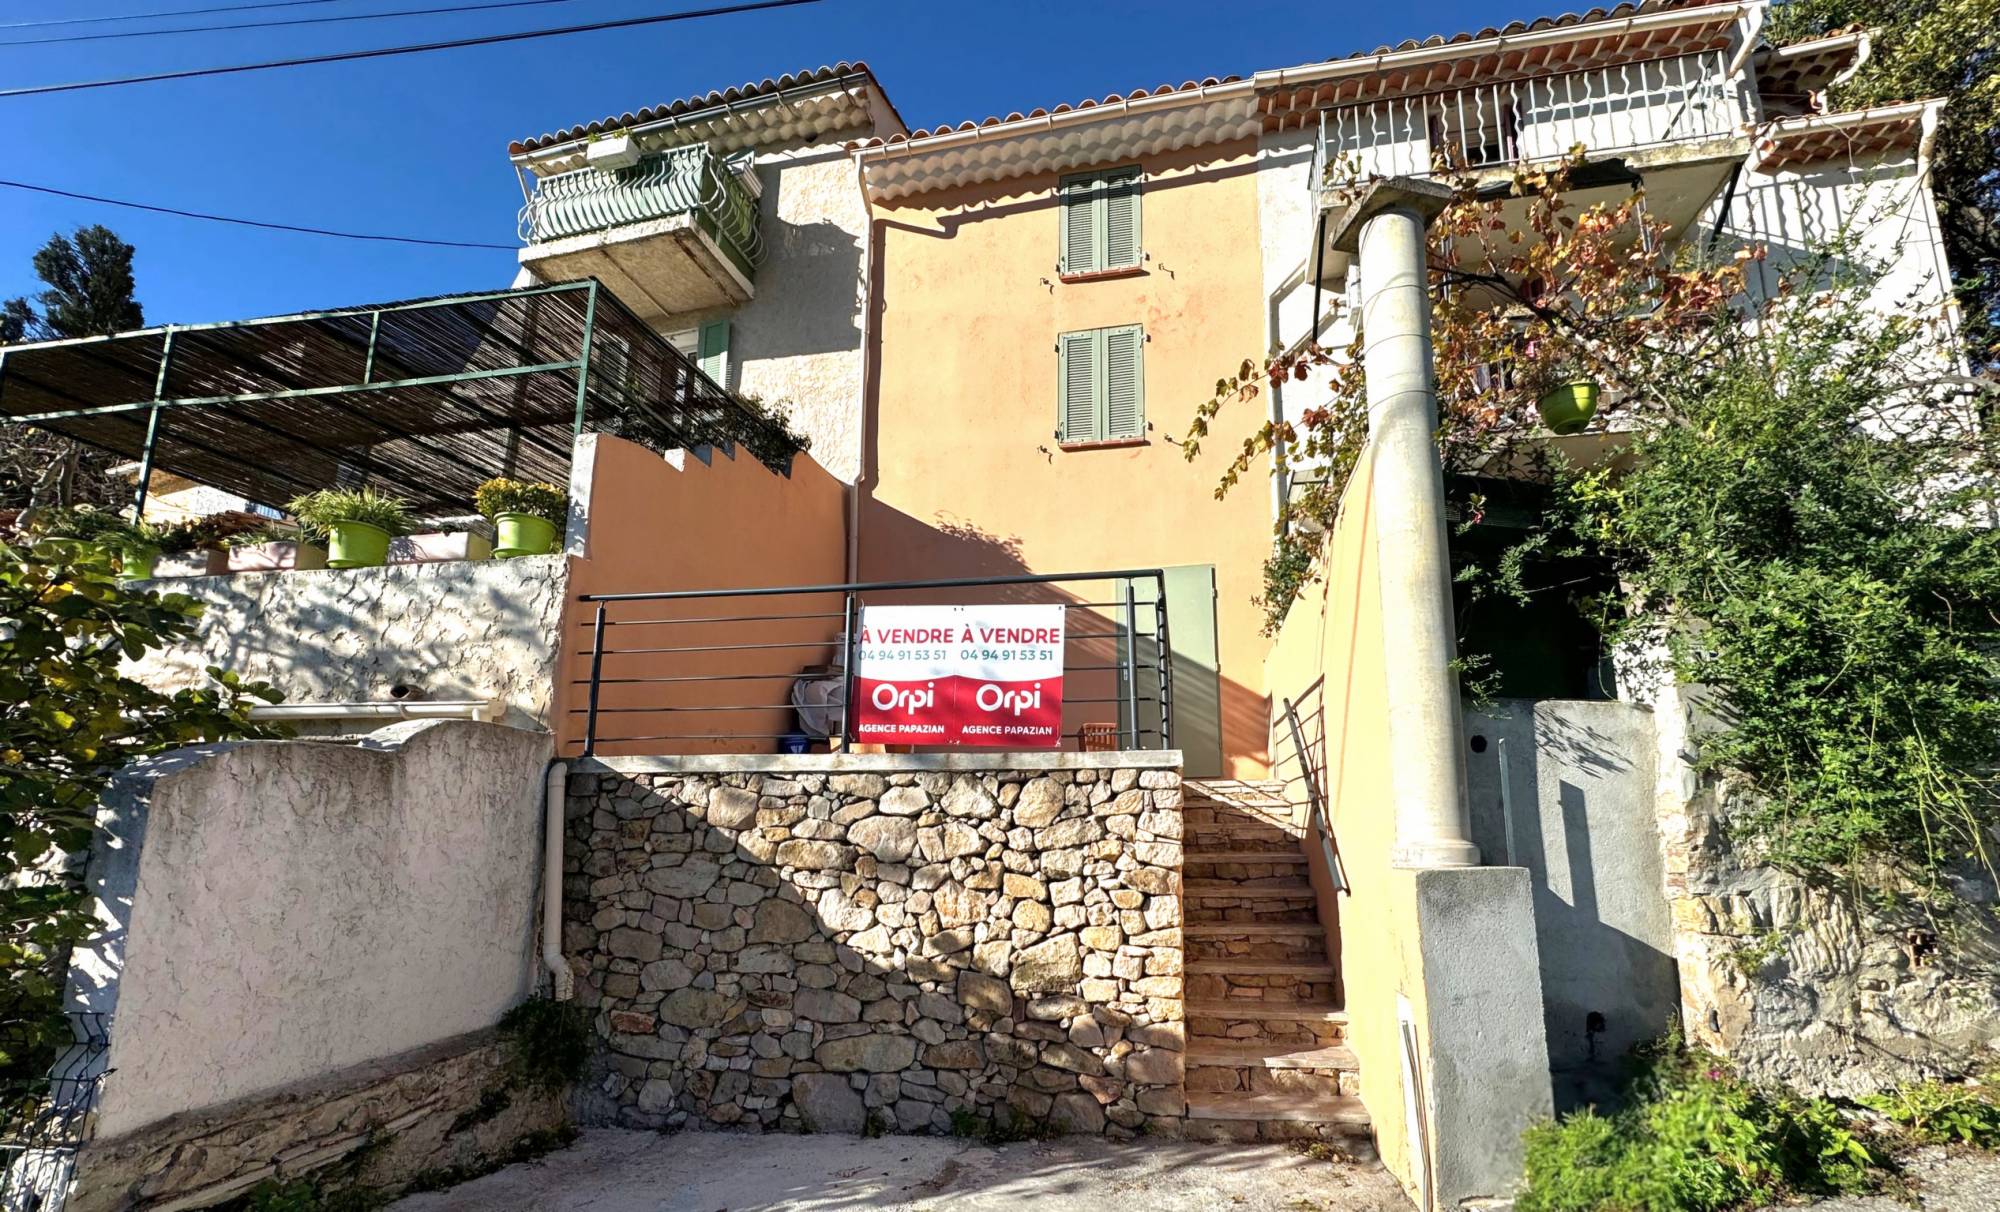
[1677,126]
[671,233]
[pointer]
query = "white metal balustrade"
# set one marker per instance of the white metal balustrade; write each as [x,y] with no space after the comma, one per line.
[1619,108]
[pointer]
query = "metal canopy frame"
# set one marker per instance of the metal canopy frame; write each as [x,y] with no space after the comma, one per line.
[425,398]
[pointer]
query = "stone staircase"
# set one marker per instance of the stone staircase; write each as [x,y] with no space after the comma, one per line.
[1266,1047]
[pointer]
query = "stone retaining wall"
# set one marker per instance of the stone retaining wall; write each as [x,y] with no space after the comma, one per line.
[826,949]
[445,1107]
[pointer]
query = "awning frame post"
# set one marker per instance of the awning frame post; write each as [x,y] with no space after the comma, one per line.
[152,427]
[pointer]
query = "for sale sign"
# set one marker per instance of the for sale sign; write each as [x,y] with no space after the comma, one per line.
[960,675]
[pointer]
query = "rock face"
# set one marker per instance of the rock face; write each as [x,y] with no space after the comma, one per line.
[835,950]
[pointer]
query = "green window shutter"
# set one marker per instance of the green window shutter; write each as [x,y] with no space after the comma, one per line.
[1078,196]
[1124,382]
[1119,205]
[714,358]
[1079,403]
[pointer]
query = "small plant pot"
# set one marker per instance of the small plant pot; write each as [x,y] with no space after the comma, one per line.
[1568,408]
[523,534]
[356,545]
[137,563]
[277,556]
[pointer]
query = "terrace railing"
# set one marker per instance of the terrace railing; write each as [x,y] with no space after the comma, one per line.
[690,181]
[714,671]
[1605,110]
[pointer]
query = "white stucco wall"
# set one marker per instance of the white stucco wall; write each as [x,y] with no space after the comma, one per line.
[276,910]
[479,629]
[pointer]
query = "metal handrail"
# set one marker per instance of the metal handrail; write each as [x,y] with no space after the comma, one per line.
[1315,801]
[1156,730]
[687,180]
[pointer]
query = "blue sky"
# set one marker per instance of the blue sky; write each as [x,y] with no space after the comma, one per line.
[416,145]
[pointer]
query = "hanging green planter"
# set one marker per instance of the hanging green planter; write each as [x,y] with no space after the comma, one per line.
[137,563]
[1567,409]
[522,534]
[356,545]
[525,516]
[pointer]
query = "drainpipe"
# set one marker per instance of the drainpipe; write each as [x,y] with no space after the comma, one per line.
[555,782]
[1385,225]
[867,368]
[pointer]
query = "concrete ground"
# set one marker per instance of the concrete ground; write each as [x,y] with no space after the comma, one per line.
[611,1170]
[1934,1180]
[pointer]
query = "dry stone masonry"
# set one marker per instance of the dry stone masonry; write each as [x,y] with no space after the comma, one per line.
[847,951]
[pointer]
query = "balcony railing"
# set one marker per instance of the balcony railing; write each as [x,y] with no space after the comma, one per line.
[691,181]
[1605,110]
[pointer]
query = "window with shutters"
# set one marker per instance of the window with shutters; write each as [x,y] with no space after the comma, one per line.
[1101,385]
[1100,222]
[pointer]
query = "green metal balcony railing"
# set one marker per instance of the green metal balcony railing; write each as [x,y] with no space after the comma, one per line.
[685,181]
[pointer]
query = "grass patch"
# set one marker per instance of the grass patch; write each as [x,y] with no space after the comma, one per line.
[1007,1125]
[548,1043]
[1940,1113]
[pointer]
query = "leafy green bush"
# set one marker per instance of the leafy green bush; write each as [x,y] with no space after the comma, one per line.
[548,1043]
[69,722]
[320,510]
[1694,1139]
[545,501]
[1936,1113]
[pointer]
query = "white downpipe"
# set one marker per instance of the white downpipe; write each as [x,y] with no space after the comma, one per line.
[554,786]
[483,710]
[867,367]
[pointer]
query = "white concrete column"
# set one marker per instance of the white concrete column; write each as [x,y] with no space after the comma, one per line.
[1426,747]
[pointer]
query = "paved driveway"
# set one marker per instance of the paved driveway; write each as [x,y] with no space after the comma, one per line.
[609,1170]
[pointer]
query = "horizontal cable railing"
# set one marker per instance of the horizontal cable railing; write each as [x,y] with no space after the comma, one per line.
[684,181]
[750,670]
[1605,110]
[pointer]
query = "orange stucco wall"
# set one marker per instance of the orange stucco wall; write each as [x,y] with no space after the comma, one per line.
[727,523]
[965,477]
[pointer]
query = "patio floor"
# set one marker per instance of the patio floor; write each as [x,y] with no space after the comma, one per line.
[610,1170]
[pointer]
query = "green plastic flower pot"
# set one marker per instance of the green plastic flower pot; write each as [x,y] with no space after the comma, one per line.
[137,563]
[523,534]
[1568,408]
[356,545]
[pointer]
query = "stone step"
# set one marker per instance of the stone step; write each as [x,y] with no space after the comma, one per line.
[1213,929]
[1255,967]
[1256,944]
[1291,890]
[1207,1053]
[1275,854]
[1282,1012]
[1235,1116]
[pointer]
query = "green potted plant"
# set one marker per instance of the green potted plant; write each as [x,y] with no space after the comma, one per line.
[1564,392]
[358,523]
[135,544]
[526,516]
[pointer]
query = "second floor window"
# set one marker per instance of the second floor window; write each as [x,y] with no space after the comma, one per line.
[1101,385]
[1100,221]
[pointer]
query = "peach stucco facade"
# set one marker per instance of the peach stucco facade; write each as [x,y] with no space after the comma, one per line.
[964,475]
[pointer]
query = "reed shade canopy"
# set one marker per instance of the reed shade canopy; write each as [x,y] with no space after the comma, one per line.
[425,399]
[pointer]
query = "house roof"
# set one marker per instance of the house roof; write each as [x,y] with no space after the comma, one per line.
[1789,142]
[1598,37]
[1790,77]
[753,109]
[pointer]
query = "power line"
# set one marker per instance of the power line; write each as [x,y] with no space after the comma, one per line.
[307,231]
[206,29]
[36,90]
[178,12]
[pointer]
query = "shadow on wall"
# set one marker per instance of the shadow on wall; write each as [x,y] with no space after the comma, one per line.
[808,270]
[1578,814]
[479,629]
[838,952]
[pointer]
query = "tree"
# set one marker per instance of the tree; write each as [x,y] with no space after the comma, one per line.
[1924,49]
[88,292]
[70,721]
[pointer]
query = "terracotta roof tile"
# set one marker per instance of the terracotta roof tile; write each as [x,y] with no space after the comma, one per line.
[668,109]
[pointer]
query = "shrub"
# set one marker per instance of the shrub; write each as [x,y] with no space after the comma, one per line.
[548,1043]
[1935,1113]
[1694,1139]
[545,501]
[320,510]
